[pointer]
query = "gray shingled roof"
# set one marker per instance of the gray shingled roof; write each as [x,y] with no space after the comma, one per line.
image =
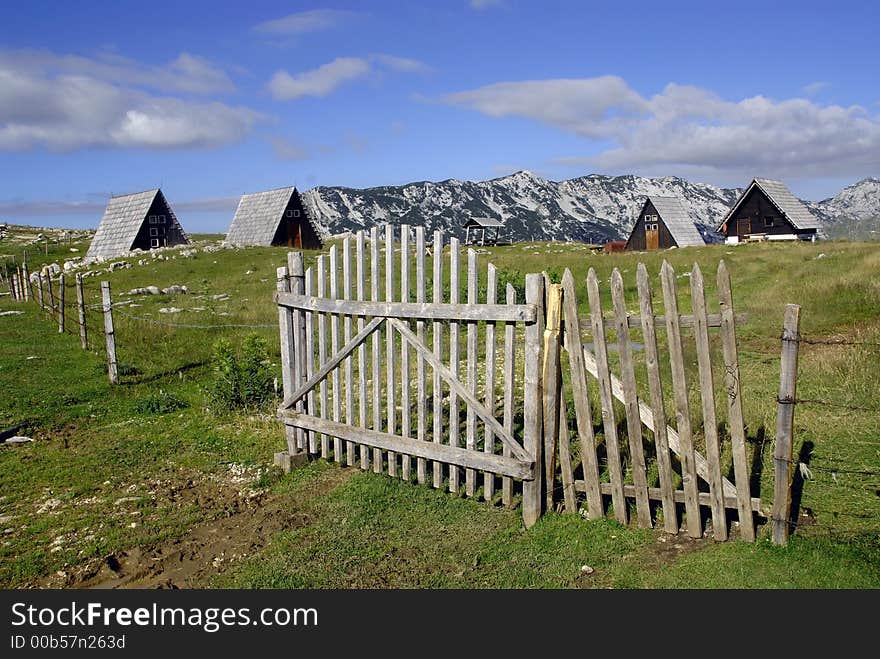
[677,221]
[781,197]
[258,216]
[484,222]
[120,225]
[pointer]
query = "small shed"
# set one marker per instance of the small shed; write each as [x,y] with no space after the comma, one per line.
[273,218]
[662,223]
[767,210]
[481,226]
[142,220]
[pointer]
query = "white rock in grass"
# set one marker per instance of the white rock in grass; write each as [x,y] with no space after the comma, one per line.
[174,290]
[170,310]
[11,313]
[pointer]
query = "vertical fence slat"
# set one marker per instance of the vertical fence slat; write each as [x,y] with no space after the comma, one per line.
[349,365]
[655,388]
[310,358]
[376,357]
[631,402]
[612,449]
[782,452]
[581,394]
[334,348]
[61,305]
[297,286]
[421,387]
[509,391]
[39,288]
[489,438]
[453,358]
[81,312]
[285,327]
[390,365]
[322,351]
[565,468]
[682,407]
[405,403]
[550,378]
[26,282]
[531,497]
[49,291]
[109,333]
[707,396]
[734,406]
[470,475]
[437,384]
[360,251]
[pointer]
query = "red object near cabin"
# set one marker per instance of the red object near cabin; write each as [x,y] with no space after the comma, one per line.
[614,246]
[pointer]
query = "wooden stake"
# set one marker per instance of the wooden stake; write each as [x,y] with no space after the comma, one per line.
[782,454]
[531,504]
[285,326]
[112,370]
[551,381]
[437,384]
[61,310]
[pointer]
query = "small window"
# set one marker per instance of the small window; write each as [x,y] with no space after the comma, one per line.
[295,213]
[154,242]
[289,213]
[768,221]
[161,219]
[154,231]
[152,219]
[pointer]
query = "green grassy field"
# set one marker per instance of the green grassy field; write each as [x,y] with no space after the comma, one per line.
[107,482]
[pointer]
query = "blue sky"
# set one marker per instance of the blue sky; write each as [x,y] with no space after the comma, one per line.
[209,99]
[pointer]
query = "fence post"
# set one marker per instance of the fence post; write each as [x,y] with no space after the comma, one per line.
[40,290]
[61,303]
[782,454]
[551,381]
[28,293]
[112,370]
[13,285]
[298,287]
[532,442]
[81,308]
[49,289]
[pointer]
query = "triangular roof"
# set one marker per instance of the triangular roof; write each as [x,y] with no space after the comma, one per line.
[258,216]
[122,220]
[677,221]
[780,196]
[484,222]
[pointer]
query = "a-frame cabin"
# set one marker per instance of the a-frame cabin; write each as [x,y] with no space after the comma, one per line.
[273,218]
[663,223]
[767,210]
[143,220]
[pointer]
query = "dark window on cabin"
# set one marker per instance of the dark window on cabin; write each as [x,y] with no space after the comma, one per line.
[152,219]
[296,213]
[289,213]
[768,221]
[161,219]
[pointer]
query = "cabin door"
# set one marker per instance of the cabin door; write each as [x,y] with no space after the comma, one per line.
[652,236]
[294,234]
[743,228]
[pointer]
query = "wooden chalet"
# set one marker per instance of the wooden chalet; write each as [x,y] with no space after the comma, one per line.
[663,223]
[480,227]
[767,210]
[273,218]
[143,220]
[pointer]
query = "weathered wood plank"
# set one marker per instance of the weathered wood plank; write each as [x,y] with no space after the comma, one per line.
[457,387]
[412,310]
[376,354]
[734,404]
[61,306]
[509,391]
[531,497]
[109,333]
[334,348]
[470,476]
[707,396]
[630,402]
[346,333]
[682,407]
[296,268]
[453,357]
[405,402]
[390,358]
[656,494]
[421,382]
[550,378]
[782,452]
[609,422]
[581,395]
[565,467]
[360,253]
[634,322]
[81,312]
[655,388]
[437,385]
[310,358]
[489,391]
[393,443]
[322,352]
[285,326]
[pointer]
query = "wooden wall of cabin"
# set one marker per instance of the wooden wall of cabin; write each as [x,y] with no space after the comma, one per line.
[751,214]
[296,229]
[168,234]
[636,240]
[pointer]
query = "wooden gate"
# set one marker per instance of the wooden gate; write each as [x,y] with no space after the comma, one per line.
[624,465]
[386,387]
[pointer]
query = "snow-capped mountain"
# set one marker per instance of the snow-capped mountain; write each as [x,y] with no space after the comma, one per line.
[592,208]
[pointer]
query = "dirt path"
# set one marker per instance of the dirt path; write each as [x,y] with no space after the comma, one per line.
[209,549]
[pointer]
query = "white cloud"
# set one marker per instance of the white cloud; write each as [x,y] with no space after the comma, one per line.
[320,81]
[187,73]
[70,102]
[302,22]
[815,87]
[689,128]
[401,64]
